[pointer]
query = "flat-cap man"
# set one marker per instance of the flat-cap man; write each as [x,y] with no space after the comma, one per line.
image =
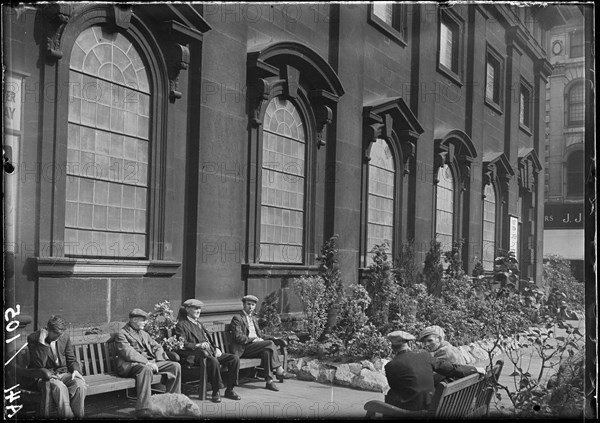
[50,348]
[410,374]
[140,356]
[249,343]
[433,338]
[198,345]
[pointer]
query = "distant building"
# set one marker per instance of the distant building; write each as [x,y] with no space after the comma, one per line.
[564,146]
[169,151]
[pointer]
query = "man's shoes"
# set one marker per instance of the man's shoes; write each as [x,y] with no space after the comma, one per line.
[232,395]
[271,386]
[216,397]
[280,377]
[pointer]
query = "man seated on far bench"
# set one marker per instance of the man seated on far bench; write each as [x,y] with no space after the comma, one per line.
[411,374]
[140,356]
[248,342]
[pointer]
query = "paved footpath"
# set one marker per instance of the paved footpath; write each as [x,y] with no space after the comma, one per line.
[295,400]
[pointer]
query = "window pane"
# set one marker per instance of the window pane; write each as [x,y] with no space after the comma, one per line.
[576,104]
[381,198]
[575,169]
[576,49]
[444,222]
[283,184]
[489,227]
[446,45]
[110,164]
[384,11]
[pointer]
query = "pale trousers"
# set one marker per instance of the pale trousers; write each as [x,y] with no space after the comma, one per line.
[68,395]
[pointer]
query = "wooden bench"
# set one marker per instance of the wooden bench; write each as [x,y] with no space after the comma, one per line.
[222,337]
[468,397]
[98,360]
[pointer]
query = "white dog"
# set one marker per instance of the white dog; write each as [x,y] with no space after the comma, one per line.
[173,405]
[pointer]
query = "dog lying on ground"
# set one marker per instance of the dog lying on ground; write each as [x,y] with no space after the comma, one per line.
[173,405]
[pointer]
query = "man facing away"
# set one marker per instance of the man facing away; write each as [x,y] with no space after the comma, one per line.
[50,348]
[249,343]
[411,374]
[140,356]
[198,345]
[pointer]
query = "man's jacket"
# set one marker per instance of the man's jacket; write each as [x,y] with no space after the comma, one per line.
[42,356]
[192,335]
[240,329]
[136,347]
[410,376]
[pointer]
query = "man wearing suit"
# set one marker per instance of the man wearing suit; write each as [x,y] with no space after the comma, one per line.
[410,374]
[51,349]
[140,356]
[248,342]
[198,345]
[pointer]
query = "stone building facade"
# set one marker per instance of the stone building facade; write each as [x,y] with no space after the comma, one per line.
[170,151]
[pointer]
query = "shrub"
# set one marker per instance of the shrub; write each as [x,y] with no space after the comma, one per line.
[161,323]
[559,275]
[381,286]
[506,269]
[433,269]
[329,271]
[268,316]
[406,269]
[369,343]
[566,392]
[313,295]
[352,316]
[478,269]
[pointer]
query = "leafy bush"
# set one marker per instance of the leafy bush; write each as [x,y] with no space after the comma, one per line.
[268,315]
[161,323]
[329,271]
[478,269]
[313,295]
[406,269]
[506,269]
[433,269]
[381,286]
[559,275]
[369,343]
[352,316]
[566,391]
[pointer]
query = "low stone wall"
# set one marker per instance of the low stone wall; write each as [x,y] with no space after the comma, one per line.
[366,375]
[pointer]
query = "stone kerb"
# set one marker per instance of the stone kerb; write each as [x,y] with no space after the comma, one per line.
[369,375]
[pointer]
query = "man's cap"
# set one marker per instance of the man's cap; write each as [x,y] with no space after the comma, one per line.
[400,336]
[432,330]
[138,312]
[192,302]
[250,298]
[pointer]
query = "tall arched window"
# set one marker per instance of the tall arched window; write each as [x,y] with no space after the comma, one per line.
[108,147]
[382,173]
[575,182]
[576,104]
[283,183]
[489,227]
[444,208]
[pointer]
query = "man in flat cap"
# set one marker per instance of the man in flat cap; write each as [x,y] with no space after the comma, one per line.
[140,356]
[50,349]
[249,343]
[433,339]
[410,374]
[198,345]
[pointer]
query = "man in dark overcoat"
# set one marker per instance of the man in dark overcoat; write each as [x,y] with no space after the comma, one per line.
[198,345]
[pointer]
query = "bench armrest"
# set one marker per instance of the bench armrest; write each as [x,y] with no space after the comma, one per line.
[373,407]
[34,373]
[281,343]
[173,356]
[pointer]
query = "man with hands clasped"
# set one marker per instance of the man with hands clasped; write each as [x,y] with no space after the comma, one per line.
[198,345]
[50,348]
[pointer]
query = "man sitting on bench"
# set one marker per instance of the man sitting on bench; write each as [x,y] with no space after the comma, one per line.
[50,348]
[198,345]
[248,342]
[410,374]
[140,356]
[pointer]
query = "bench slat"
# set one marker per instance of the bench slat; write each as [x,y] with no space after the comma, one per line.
[108,357]
[100,357]
[93,358]
[86,361]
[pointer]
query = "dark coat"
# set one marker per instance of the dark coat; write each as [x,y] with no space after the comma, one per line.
[192,335]
[41,355]
[410,376]
[239,327]
[135,347]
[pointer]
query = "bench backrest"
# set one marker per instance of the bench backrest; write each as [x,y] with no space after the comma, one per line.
[97,357]
[222,337]
[466,397]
